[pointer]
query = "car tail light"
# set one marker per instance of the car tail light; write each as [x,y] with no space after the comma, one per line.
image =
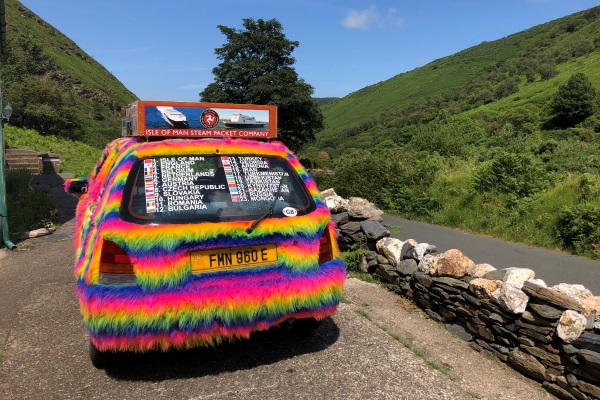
[115,265]
[325,248]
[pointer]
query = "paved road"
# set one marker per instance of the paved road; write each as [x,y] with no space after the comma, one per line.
[357,354]
[552,266]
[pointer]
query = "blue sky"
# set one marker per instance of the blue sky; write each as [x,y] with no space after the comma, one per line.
[164,50]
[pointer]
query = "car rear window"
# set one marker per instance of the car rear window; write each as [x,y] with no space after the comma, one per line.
[182,189]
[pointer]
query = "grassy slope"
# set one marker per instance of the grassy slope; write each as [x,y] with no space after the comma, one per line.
[442,76]
[76,158]
[89,79]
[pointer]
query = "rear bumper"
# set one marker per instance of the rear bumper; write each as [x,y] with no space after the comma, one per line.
[208,308]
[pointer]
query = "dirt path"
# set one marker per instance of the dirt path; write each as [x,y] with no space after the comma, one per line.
[481,377]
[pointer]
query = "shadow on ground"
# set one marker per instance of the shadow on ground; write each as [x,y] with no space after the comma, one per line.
[263,348]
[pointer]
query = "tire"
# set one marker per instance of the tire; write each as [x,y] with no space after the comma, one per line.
[99,359]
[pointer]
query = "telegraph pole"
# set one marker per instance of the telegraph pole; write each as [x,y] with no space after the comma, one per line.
[4,234]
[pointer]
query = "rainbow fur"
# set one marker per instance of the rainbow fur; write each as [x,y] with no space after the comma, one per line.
[170,306]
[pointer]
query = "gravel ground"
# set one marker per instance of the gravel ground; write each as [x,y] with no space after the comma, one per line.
[481,377]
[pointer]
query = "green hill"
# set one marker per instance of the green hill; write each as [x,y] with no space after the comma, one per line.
[465,81]
[53,86]
[479,141]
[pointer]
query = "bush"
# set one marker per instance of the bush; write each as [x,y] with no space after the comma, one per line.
[519,174]
[578,228]
[28,209]
[353,257]
[574,101]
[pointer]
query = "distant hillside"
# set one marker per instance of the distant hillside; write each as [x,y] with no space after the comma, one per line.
[502,139]
[533,61]
[321,101]
[53,86]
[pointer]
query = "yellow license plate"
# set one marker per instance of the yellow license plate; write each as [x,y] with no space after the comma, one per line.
[233,258]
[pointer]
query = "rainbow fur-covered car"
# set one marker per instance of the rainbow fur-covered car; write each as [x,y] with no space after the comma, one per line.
[186,242]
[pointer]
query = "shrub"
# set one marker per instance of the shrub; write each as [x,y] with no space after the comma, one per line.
[519,174]
[574,101]
[28,209]
[578,228]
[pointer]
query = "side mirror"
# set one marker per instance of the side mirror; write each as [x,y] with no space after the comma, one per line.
[77,186]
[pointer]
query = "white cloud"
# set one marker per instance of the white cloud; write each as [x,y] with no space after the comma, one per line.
[192,86]
[365,19]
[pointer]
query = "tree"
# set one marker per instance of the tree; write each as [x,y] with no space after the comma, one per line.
[574,101]
[256,68]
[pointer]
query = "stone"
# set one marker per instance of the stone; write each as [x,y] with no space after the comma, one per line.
[374,230]
[388,273]
[539,282]
[514,276]
[545,311]
[382,259]
[550,347]
[558,391]
[328,193]
[407,248]
[335,203]
[340,218]
[483,288]
[588,340]
[423,279]
[371,255]
[364,266]
[527,364]
[470,298]
[421,250]
[569,348]
[452,282]
[510,298]
[391,248]
[452,263]
[440,293]
[575,291]
[544,330]
[526,341]
[539,353]
[481,331]
[590,357]
[407,267]
[588,373]
[427,261]
[433,315]
[350,228]
[589,388]
[479,270]
[591,320]
[459,331]
[534,318]
[362,209]
[591,305]
[551,296]
[570,326]
[536,335]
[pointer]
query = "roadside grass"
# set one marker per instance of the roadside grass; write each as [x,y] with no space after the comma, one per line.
[414,349]
[76,157]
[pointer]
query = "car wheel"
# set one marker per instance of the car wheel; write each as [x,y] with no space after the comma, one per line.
[99,359]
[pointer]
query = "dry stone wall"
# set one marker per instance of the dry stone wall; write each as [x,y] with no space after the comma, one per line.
[550,334]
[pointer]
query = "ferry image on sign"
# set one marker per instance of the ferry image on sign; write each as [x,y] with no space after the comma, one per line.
[173,117]
[243,121]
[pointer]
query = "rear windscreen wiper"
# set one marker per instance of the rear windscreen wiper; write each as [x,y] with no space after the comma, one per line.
[268,213]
